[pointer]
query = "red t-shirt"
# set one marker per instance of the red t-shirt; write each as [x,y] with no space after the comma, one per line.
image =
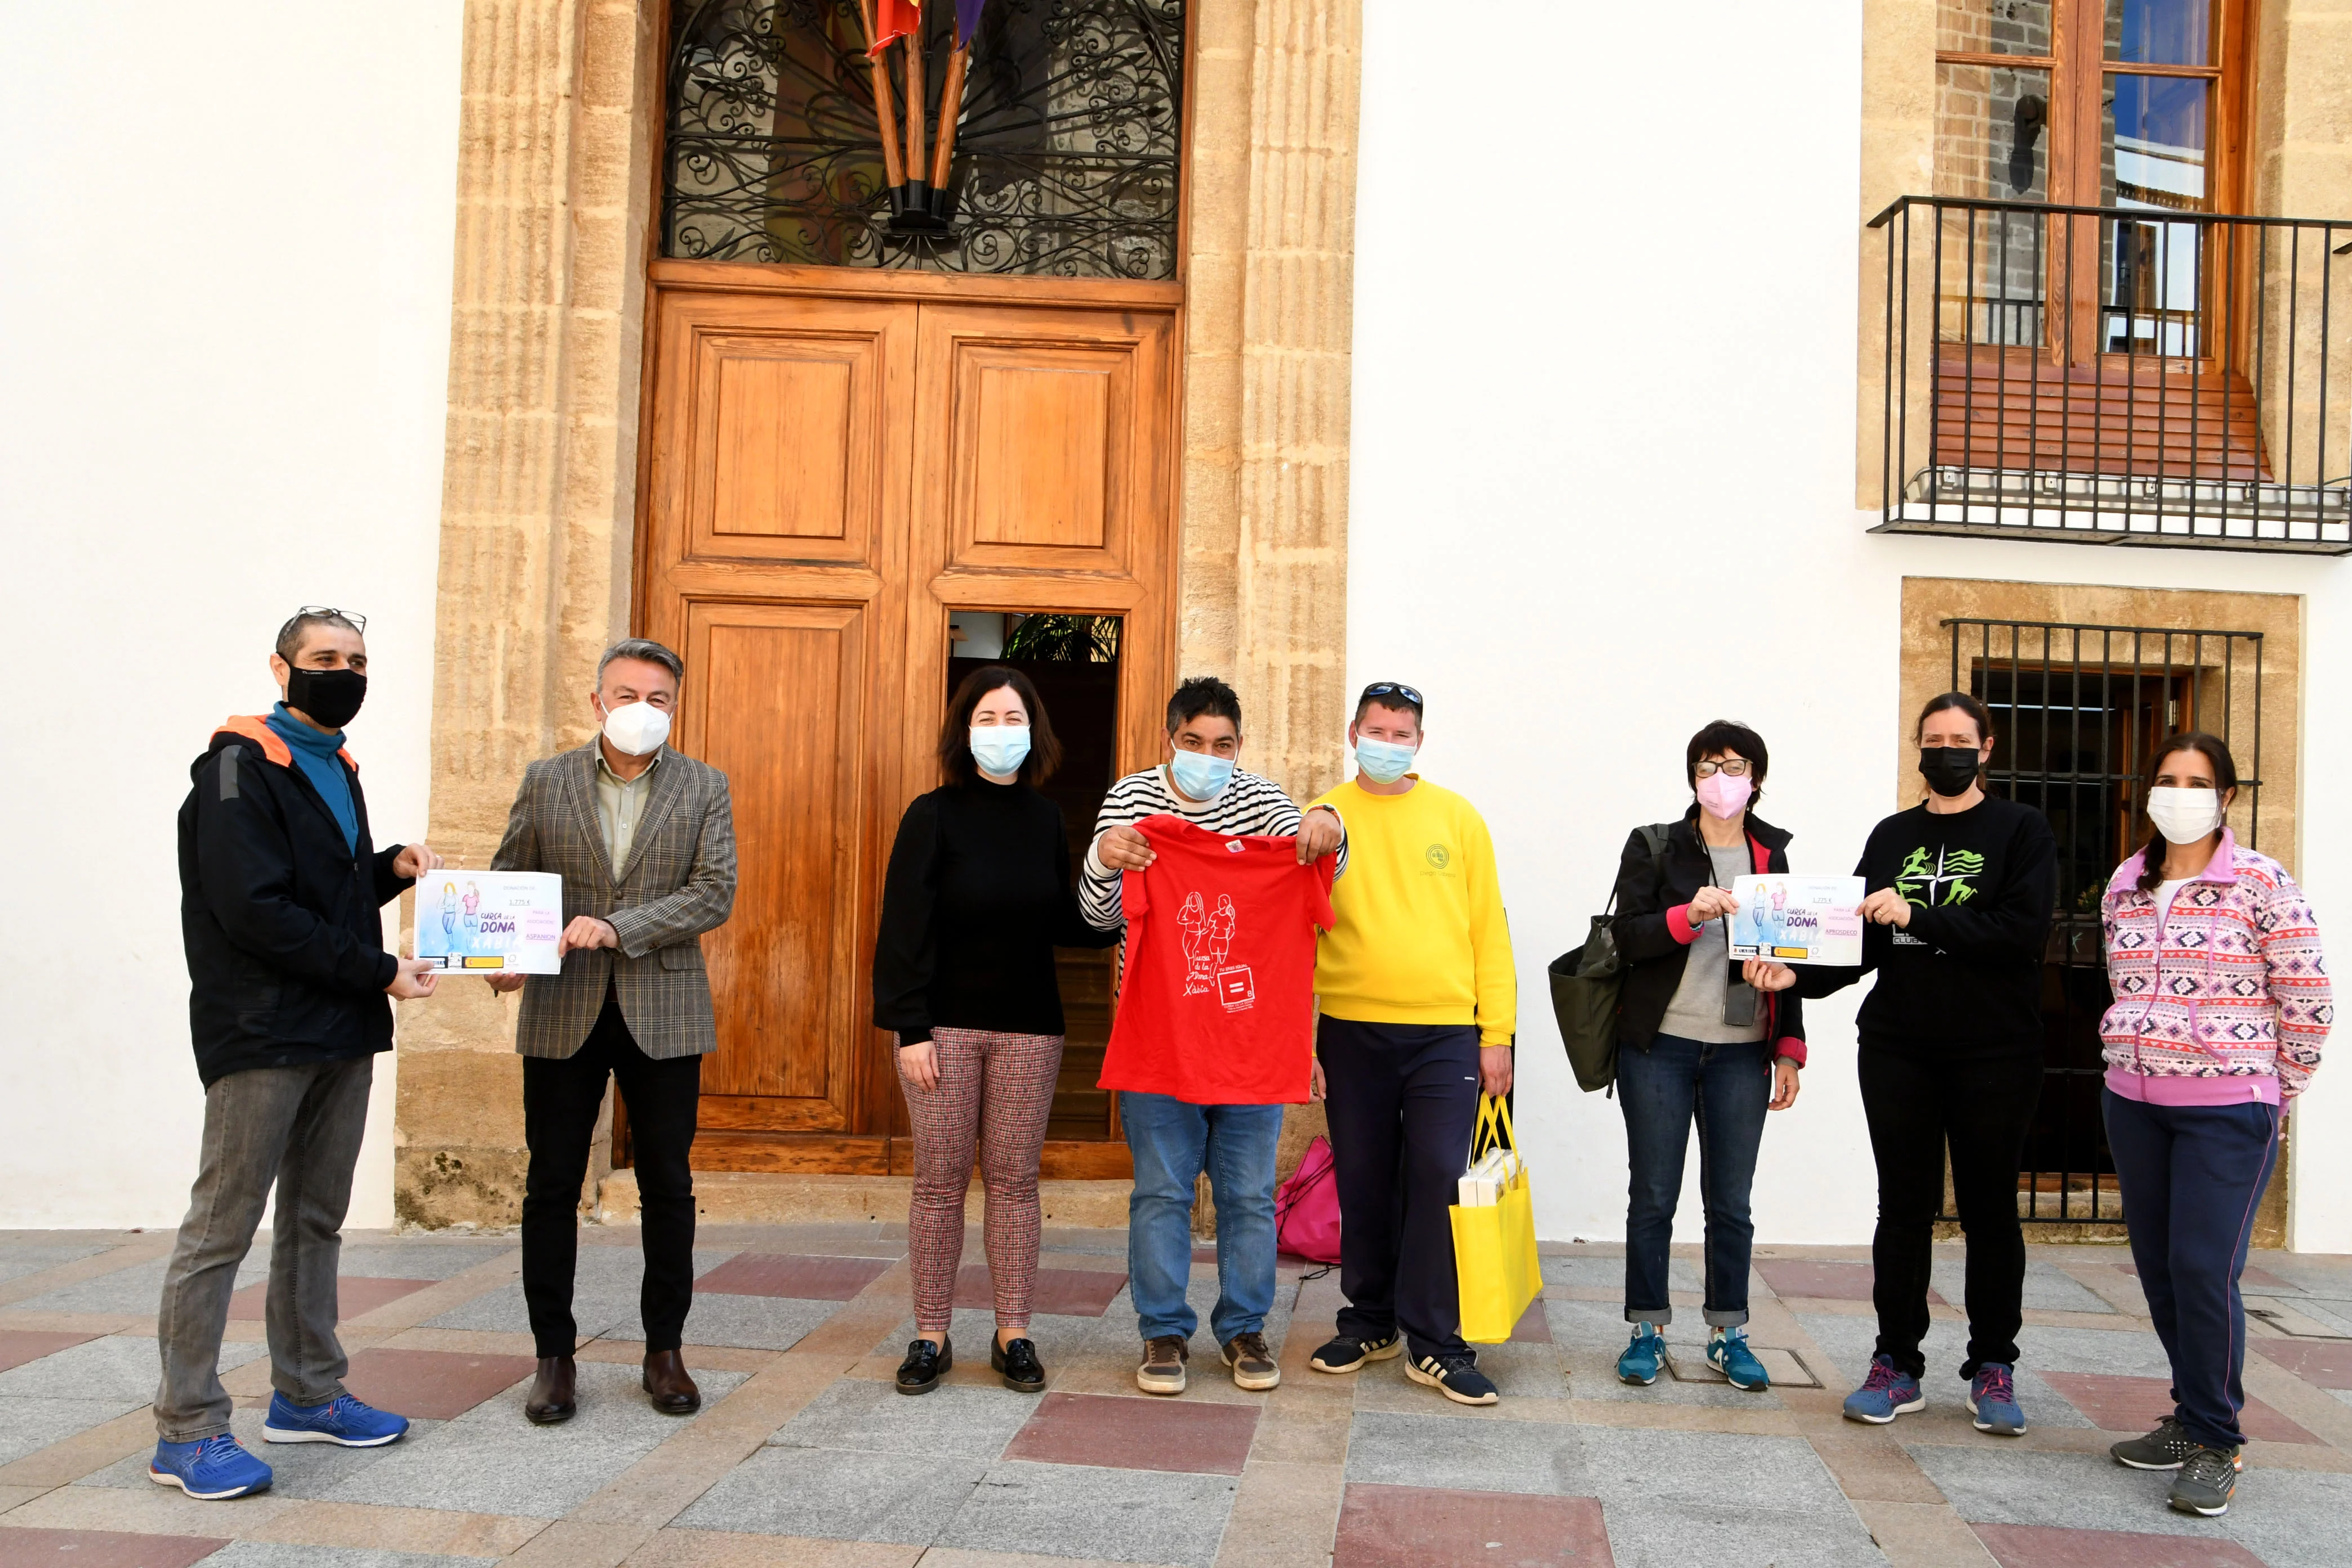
[1217,1005]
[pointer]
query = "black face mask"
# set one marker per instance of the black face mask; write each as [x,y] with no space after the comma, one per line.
[1949,770]
[329,696]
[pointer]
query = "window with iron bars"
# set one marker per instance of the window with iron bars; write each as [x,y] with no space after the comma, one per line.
[2077,712]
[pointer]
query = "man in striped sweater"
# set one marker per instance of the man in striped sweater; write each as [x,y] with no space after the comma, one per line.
[1174,1142]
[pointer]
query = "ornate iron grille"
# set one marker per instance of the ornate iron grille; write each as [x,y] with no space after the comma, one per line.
[2077,710]
[1066,158]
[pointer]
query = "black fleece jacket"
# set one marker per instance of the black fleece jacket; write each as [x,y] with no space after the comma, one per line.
[285,959]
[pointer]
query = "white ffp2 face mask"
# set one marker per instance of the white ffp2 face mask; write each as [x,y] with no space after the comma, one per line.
[2184,815]
[636,727]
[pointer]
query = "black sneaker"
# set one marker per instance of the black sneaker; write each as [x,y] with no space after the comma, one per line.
[2208,1479]
[925,1364]
[2166,1449]
[1023,1372]
[1456,1376]
[1348,1353]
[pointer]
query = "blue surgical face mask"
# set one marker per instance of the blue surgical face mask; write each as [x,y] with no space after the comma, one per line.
[1383,761]
[1000,749]
[1200,775]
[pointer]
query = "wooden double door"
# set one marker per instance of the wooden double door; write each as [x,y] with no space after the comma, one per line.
[836,462]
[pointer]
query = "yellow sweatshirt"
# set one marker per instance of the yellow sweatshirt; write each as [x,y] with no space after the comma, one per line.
[1421,937]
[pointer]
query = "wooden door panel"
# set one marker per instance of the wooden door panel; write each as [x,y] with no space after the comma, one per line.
[780,696]
[1042,436]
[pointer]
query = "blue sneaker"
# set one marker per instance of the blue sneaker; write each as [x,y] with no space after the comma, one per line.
[1727,1353]
[1992,1399]
[209,1469]
[1644,1357]
[342,1420]
[1884,1394]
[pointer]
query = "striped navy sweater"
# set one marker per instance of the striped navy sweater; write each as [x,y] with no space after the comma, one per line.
[1247,804]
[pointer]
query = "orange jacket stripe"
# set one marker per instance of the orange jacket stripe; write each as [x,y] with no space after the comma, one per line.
[255,729]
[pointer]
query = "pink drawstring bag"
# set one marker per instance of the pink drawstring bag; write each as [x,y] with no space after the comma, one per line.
[1307,1208]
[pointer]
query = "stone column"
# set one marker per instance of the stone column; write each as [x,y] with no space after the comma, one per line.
[560,98]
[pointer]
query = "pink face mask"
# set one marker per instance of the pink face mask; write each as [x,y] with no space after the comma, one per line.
[1723,796]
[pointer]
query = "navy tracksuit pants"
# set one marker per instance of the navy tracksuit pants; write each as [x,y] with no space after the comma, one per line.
[2192,1175]
[1402,1100]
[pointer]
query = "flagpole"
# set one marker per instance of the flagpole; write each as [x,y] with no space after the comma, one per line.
[893,168]
[913,43]
[951,111]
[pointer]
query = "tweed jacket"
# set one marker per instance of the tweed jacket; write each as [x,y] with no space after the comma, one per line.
[2232,985]
[678,882]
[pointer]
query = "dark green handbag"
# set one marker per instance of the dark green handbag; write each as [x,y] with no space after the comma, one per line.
[1585,985]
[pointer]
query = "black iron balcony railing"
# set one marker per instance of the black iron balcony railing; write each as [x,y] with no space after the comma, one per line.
[2112,375]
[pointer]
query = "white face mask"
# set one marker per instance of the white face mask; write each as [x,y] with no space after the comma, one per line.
[2184,815]
[635,728]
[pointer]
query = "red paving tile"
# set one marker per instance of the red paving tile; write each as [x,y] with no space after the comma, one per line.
[1137,1434]
[1822,1281]
[18,1346]
[2250,1277]
[1062,1292]
[354,1294]
[2134,1405]
[1431,1527]
[100,1549]
[2325,1364]
[2044,1546]
[1533,1328]
[808,1277]
[434,1384]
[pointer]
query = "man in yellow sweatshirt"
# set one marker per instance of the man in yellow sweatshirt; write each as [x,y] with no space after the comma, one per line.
[1419,1003]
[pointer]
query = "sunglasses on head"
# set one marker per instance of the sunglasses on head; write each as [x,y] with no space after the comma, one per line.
[1379,688]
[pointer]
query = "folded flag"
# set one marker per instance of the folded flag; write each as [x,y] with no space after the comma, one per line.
[895,19]
[967,19]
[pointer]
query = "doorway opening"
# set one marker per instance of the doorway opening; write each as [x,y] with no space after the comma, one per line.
[1073,658]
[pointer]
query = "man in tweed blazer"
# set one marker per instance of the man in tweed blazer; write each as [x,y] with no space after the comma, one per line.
[645,841]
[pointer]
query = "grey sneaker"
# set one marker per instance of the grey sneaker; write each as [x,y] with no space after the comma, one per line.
[1252,1363]
[2208,1479]
[1162,1370]
[2166,1449]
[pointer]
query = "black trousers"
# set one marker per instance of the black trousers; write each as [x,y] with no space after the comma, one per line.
[560,1103]
[1980,1107]
[1402,1100]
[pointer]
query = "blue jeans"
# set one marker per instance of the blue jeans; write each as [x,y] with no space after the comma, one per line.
[2193,1175]
[1174,1142]
[1727,1088]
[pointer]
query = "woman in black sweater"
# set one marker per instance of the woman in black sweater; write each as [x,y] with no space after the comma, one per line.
[978,897]
[1959,891]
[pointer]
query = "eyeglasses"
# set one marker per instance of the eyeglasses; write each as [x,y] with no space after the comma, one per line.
[1735,767]
[1379,688]
[329,612]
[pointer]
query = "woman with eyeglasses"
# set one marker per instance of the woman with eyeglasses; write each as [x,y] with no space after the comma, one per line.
[1959,891]
[977,898]
[2221,1003]
[1696,1042]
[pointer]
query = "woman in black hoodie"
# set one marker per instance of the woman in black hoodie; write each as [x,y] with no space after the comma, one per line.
[1696,1042]
[1960,892]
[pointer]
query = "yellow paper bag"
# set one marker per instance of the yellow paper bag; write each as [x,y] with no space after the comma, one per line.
[1494,1259]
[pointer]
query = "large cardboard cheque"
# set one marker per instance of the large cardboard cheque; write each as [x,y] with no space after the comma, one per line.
[1797,919]
[490,922]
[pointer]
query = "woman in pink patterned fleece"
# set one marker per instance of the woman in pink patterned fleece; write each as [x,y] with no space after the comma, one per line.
[2220,1005]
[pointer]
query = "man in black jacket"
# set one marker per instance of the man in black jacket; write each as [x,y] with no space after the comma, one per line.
[280,890]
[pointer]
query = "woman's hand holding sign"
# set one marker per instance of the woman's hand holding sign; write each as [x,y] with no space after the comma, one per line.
[1709,903]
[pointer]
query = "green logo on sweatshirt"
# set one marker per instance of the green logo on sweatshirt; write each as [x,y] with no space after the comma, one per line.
[1951,880]
[1438,857]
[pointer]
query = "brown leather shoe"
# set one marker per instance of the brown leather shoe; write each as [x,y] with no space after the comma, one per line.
[551,1400]
[672,1390]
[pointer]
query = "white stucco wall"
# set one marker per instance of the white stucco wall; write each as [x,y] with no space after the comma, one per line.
[1604,422]
[225,292]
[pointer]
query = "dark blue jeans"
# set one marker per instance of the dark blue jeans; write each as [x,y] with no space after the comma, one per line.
[1402,1100]
[2192,1175]
[1726,1088]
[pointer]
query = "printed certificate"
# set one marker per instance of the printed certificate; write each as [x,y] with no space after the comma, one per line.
[1797,919]
[490,922]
